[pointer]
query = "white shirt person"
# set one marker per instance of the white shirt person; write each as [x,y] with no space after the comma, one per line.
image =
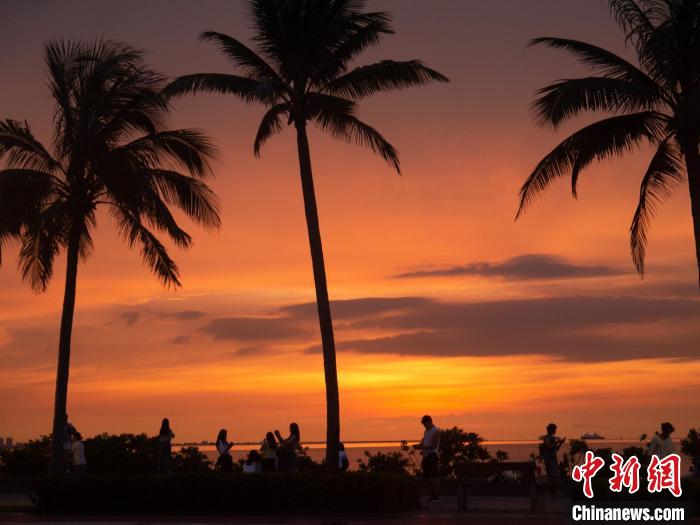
[661,444]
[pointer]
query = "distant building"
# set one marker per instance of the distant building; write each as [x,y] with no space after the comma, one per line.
[9,442]
[2,442]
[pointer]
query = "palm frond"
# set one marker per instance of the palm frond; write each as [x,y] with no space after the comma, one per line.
[85,243]
[136,107]
[181,148]
[247,89]
[61,57]
[336,116]
[671,54]
[664,173]
[152,250]
[569,97]
[23,150]
[140,194]
[383,76]
[244,57]
[41,239]
[192,196]
[602,139]
[23,192]
[635,20]
[366,30]
[270,124]
[600,60]
[158,215]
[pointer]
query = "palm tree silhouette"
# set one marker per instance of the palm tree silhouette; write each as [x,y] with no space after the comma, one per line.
[657,101]
[111,150]
[301,72]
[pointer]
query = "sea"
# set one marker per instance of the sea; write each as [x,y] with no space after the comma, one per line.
[517,450]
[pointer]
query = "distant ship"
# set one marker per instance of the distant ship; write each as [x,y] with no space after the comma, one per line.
[592,436]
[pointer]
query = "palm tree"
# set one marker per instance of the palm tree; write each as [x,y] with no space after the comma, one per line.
[656,100]
[111,150]
[301,72]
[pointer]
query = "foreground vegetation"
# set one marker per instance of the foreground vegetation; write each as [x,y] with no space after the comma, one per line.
[136,454]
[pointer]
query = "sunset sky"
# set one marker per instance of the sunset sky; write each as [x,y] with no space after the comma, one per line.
[443,304]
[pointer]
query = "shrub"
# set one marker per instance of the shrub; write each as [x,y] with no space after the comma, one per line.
[106,454]
[228,493]
[30,460]
[690,445]
[386,463]
[458,446]
[501,455]
[305,463]
[121,454]
[191,461]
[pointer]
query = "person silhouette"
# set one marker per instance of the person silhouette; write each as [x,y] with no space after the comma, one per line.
[68,446]
[288,448]
[550,446]
[78,451]
[343,461]
[268,452]
[165,437]
[223,447]
[429,447]
[662,444]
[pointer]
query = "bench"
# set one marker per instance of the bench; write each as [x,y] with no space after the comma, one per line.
[498,479]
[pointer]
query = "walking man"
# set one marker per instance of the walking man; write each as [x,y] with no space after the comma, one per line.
[429,446]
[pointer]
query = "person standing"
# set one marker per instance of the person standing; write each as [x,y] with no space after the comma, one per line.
[429,447]
[661,444]
[223,447]
[68,446]
[343,461]
[268,453]
[550,446]
[165,438]
[288,448]
[78,452]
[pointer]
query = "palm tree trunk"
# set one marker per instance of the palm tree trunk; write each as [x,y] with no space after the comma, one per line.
[322,301]
[57,466]
[692,160]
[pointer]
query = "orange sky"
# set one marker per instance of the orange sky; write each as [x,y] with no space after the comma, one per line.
[445,305]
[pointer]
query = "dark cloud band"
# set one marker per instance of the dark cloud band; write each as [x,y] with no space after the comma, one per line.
[521,268]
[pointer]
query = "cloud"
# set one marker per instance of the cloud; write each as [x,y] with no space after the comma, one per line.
[523,267]
[255,329]
[572,328]
[184,315]
[348,309]
[131,317]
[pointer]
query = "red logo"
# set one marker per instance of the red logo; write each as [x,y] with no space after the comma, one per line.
[665,474]
[625,474]
[591,465]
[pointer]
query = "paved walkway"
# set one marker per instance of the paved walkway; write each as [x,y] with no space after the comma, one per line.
[485,511]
